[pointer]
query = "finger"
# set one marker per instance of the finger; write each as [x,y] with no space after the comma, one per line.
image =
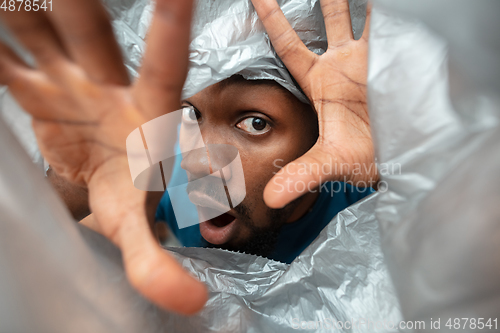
[318,166]
[337,21]
[11,66]
[85,29]
[153,272]
[366,30]
[296,178]
[24,82]
[37,35]
[120,211]
[31,89]
[286,42]
[165,62]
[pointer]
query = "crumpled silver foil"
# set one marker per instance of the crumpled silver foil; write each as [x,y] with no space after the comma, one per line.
[228,38]
[435,108]
[434,227]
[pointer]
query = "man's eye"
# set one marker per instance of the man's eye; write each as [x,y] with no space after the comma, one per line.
[254,125]
[190,115]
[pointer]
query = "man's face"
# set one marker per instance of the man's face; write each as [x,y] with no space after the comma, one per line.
[270,127]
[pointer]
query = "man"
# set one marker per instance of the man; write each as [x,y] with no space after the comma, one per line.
[84,106]
[270,127]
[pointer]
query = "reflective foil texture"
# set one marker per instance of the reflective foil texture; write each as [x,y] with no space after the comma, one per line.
[228,38]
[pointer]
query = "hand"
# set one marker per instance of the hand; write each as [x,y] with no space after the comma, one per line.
[335,83]
[76,198]
[83,109]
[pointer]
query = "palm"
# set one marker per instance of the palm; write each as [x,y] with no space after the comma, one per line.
[83,109]
[86,144]
[76,142]
[335,83]
[344,136]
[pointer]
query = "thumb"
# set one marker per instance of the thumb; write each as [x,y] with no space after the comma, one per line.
[156,274]
[120,211]
[300,176]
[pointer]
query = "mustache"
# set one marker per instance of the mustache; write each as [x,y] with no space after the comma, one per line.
[211,188]
[218,193]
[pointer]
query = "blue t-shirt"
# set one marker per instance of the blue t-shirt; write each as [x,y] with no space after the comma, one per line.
[293,237]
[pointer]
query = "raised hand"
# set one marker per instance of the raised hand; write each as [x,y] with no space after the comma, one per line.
[83,109]
[335,83]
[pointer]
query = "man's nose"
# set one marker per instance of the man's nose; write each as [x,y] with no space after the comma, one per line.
[195,157]
[197,163]
[213,160]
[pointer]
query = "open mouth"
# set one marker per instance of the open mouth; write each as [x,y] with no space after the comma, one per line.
[218,230]
[219,219]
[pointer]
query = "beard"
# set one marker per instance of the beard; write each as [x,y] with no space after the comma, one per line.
[262,240]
